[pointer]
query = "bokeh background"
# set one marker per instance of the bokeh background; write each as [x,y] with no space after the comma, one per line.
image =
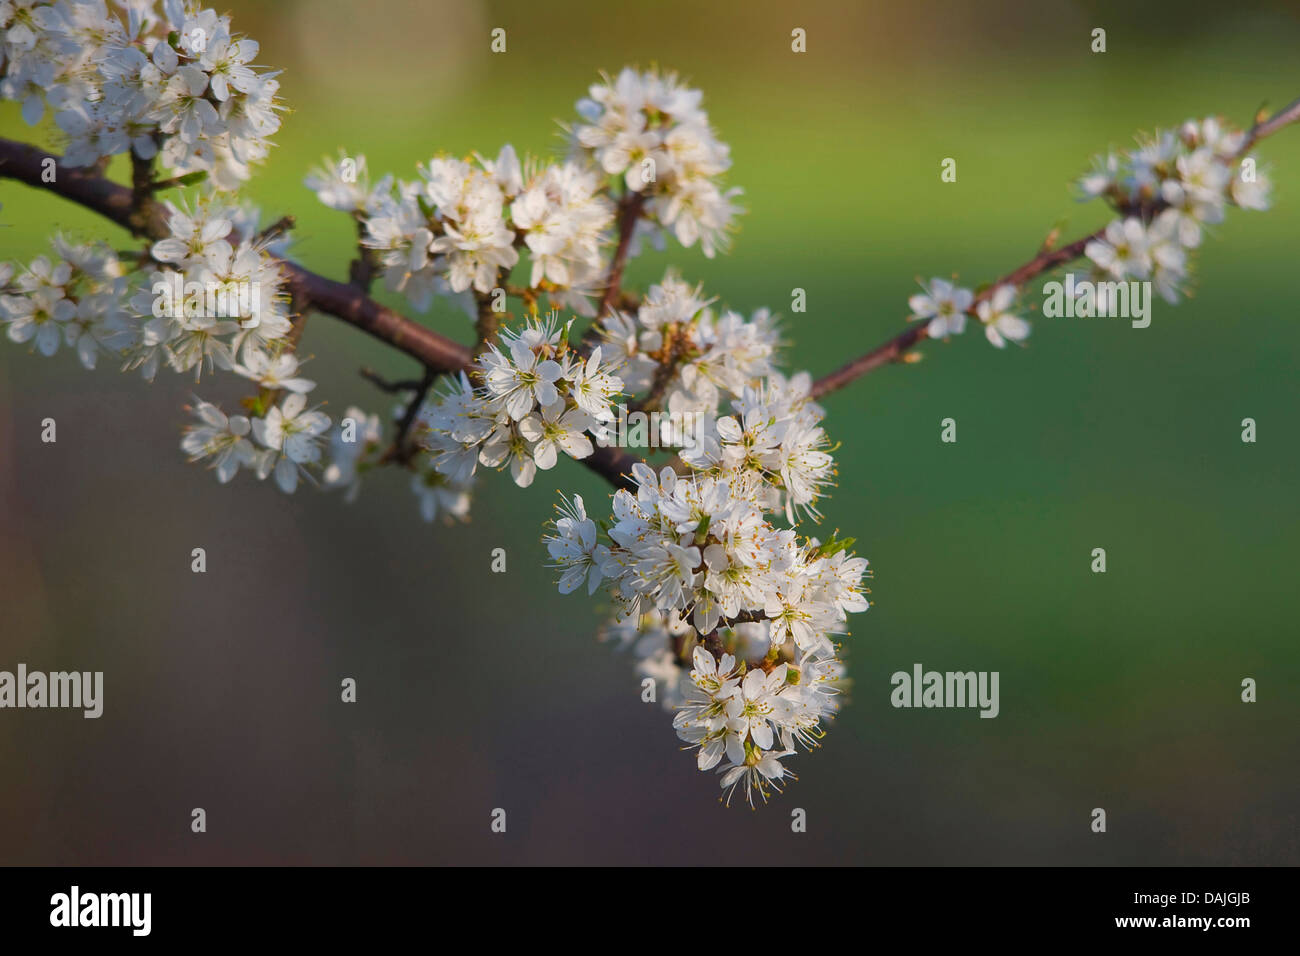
[479,690]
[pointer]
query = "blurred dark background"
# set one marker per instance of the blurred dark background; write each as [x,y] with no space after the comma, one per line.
[478,690]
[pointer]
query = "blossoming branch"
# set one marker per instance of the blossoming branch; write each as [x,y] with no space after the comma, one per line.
[736,615]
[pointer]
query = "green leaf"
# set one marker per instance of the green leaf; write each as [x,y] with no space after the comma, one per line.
[834,546]
[180,182]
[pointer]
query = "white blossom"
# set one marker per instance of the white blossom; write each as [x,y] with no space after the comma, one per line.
[1000,326]
[945,305]
[222,438]
[292,433]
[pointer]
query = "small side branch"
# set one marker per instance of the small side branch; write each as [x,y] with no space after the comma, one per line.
[364,268]
[403,448]
[630,208]
[390,387]
[1048,258]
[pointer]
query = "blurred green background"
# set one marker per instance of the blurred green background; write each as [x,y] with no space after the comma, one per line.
[478,690]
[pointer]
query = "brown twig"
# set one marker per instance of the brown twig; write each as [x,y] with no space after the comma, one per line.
[276,229]
[403,450]
[1267,127]
[1046,260]
[890,351]
[486,325]
[384,385]
[362,269]
[674,350]
[630,208]
[142,176]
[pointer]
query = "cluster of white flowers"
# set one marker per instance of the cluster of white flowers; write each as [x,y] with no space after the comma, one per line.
[83,297]
[74,299]
[746,705]
[177,85]
[389,224]
[773,445]
[285,441]
[532,397]
[723,363]
[944,306]
[1165,191]
[213,303]
[636,341]
[755,715]
[700,549]
[462,225]
[86,298]
[649,129]
[693,559]
[461,228]
[284,438]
